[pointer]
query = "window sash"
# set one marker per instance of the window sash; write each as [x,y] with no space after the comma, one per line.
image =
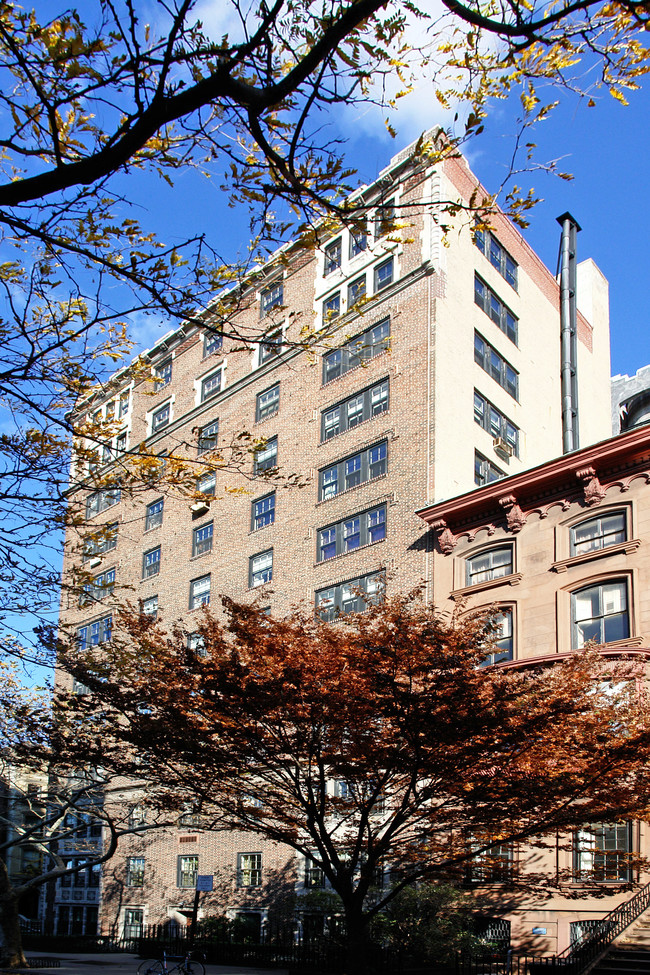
[249,869]
[496,366]
[154,514]
[332,257]
[498,256]
[343,598]
[101,586]
[266,458]
[493,564]
[358,242]
[211,385]
[494,308]
[600,613]
[384,274]
[261,568]
[263,512]
[601,852]
[101,500]
[332,307]
[268,403]
[354,470]
[208,435]
[598,533]
[354,410]
[151,563]
[349,534]
[212,342]
[270,347]
[356,290]
[358,350]
[485,472]
[271,298]
[199,592]
[202,540]
[495,422]
[161,418]
[95,633]
[135,872]
[150,606]
[163,375]
[188,868]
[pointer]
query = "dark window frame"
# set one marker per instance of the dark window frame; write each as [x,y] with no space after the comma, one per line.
[271,297]
[207,437]
[263,412]
[332,256]
[610,861]
[367,410]
[493,421]
[380,282]
[496,563]
[501,259]
[206,395]
[249,869]
[103,499]
[151,519]
[135,867]
[496,366]
[603,534]
[346,475]
[212,342]
[203,545]
[163,374]
[357,602]
[603,619]
[484,468]
[496,310]
[92,548]
[164,411]
[343,543]
[367,345]
[197,600]
[98,631]
[265,515]
[253,572]
[266,465]
[151,568]
[186,874]
[332,307]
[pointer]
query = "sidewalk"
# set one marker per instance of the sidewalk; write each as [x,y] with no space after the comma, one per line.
[121,963]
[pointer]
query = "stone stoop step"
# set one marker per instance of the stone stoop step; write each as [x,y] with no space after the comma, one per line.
[624,961]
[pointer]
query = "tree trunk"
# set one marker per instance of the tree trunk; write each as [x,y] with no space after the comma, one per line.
[357,944]
[11,949]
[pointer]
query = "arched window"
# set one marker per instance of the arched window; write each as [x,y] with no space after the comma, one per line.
[600,613]
[503,648]
[597,533]
[493,564]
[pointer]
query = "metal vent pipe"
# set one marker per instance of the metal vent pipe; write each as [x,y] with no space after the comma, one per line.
[568,332]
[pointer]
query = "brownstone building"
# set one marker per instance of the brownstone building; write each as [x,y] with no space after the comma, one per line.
[435,369]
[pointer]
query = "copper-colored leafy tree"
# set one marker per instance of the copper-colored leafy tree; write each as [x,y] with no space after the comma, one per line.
[375,741]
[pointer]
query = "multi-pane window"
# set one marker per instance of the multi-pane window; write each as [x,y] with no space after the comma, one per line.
[493,564]
[120,444]
[208,436]
[133,923]
[495,365]
[187,871]
[485,471]
[150,606]
[212,342]
[602,851]
[211,385]
[92,634]
[384,274]
[354,470]
[600,613]
[352,533]
[356,290]
[500,314]
[503,643]
[163,374]
[102,585]
[332,257]
[161,418]
[263,512]
[357,351]
[135,872]
[495,422]
[358,242]
[124,404]
[196,642]
[102,541]
[249,869]
[199,592]
[497,255]
[151,563]
[154,514]
[266,457]
[271,346]
[271,298]
[260,568]
[493,865]
[207,484]
[202,539]
[598,533]
[268,403]
[332,307]
[384,218]
[314,876]
[350,597]
[354,410]
[101,500]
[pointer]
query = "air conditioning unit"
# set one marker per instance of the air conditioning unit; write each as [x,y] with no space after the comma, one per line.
[502,448]
[95,562]
[200,507]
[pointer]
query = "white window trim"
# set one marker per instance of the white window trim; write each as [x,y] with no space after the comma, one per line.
[198,382]
[159,406]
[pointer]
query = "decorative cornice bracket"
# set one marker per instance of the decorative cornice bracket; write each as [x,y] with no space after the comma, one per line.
[593,490]
[515,517]
[447,541]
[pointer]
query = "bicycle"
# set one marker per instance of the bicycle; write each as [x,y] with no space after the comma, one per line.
[184,966]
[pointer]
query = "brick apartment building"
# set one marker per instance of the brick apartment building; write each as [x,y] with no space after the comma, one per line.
[437,370]
[560,551]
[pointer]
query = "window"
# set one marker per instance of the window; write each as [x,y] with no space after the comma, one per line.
[357,351]
[263,512]
[358,242]
[212,342]
[356,409]
[271,346]
[188,868]
[497,255]
[101,500]
[384,218]
[266,457]
[199,592]
[332,257]
[202,539]
[79,688]
[150,606]
[102,585]
[272,297]
[92,634]
[598,533]
[503,644]
[133,923]
[314,876]
[495,365]
[137,817]
[120,444]
[207,439]
[485,471]
[124,404]
[260,568]
[350,597]
[601,851]
[356,290]
[196,642]
[495,422]
[207,484]
[352,533]
[151,563]
[384,274]
[161,418]
[135,872]
[600,613]
[249,869]
[268,403]
[354,470]
[211,385]
[102,541]
[332,307]
[493,564]
[163,374]
[154,514]
[500,314]
[492,865]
